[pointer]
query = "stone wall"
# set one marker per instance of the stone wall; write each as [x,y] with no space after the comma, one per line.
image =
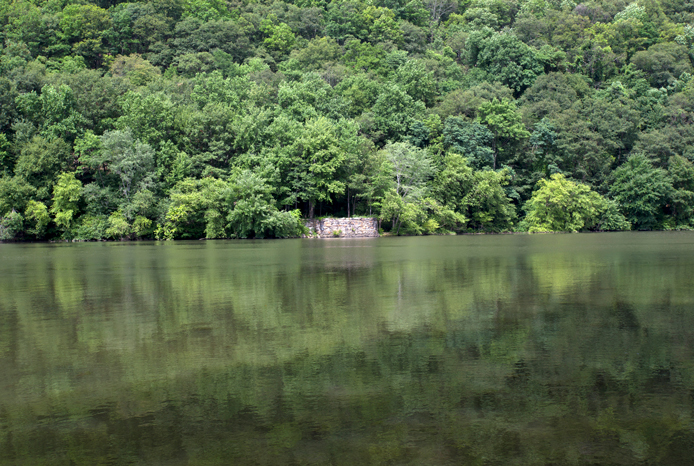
[353,227]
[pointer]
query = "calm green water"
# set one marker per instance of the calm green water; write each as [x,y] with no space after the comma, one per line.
[479,350]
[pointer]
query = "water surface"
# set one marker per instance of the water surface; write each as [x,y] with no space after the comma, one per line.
[480,350]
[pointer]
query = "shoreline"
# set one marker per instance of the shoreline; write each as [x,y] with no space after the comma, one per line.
[385,235]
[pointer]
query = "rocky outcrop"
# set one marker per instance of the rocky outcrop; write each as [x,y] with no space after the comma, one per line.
[353,227]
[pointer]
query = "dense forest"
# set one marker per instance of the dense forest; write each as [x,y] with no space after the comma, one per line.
[236,119]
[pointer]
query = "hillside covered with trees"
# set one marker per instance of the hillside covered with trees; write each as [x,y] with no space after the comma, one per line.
[209,118]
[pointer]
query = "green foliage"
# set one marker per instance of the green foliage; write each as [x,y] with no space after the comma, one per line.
[408,168]
[505,123]
[11,225]
[90,228]
[681,173]
[642,191]
[487,204]
[560,204]
[137,98]
[254,214]
[82,26]
[67,193]
[419,84]
[6,159]
[130,160]
[40,160]
[280,39]
[36,218]
[316,157]
[197,207]
[473,140]
[395,112]
[15,194]
[53,112]
[138,70]
[664,63]
[205,10]
[118,226]
[505,58]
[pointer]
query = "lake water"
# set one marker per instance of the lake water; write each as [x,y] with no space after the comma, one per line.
[468,350]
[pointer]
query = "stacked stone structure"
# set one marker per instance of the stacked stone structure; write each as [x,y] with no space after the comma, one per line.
[353,227]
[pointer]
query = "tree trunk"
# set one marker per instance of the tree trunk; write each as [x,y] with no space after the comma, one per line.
[311,209]
[347,202]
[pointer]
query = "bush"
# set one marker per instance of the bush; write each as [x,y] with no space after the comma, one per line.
[564,205]
[11,225]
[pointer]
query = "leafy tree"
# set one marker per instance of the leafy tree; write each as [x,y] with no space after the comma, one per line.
[306,99]
[551,94]
[40,160]
[129,159]
[138,70]
[642,191]
[595,133]
[36,28]
[15,194]
[363,56]
[409,168]
[681,172]
[663,63]
[487,205]
[150,118]
[504,57]
[198,209]
[53,112]
[254,214]
[90,228]
[560,204]
[343,20]
[8,110]
[454,181]
[83,27]
[360,91]
[230,36]
[95,97]
[118,226]
[280,39]
[316,158]
[395,112]
[6,158]
[135,26]
[11,225]
[67,193]
[36,219]
[466,102]
[205,10]
[504,121]
[439,9]
[316,53]
[470,139]
[414,79]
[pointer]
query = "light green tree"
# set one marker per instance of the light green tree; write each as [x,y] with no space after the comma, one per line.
[37,218]
[67,193]
[560,204]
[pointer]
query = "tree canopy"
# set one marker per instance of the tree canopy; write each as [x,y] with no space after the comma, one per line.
[159,119]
